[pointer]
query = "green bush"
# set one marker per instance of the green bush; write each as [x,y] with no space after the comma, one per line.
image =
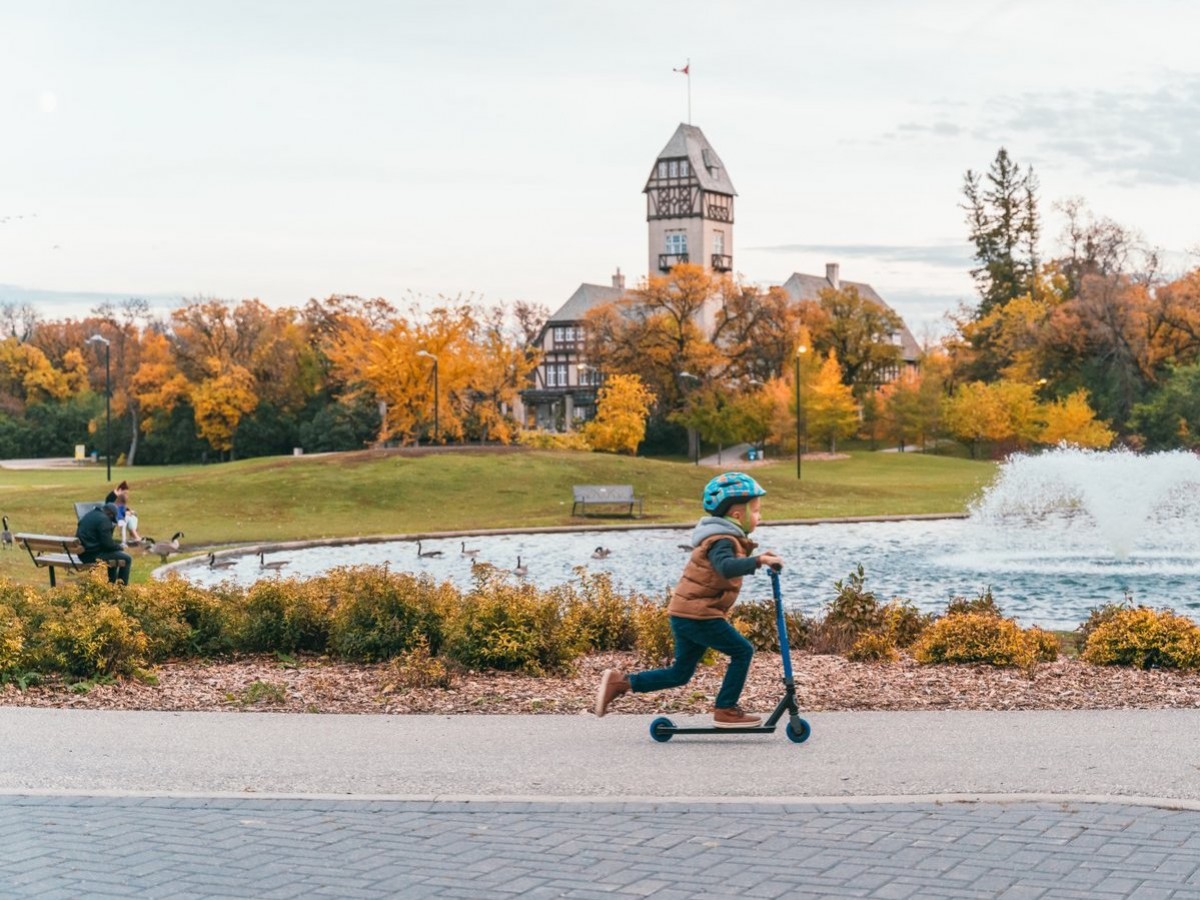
[755,619]
[284,616]
[513,627]
[903,623]
[378,614]
[873,648]
[89,640]
[12,640]
[985,604]
[854,612]
[600,617]
[1144,638]
[978,637]
[418,668]
[655,644]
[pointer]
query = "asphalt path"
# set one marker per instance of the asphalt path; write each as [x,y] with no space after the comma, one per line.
[1129,754]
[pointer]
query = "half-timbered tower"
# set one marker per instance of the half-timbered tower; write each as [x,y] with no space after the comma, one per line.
[689,205]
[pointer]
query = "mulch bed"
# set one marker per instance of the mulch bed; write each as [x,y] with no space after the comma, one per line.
[824,683]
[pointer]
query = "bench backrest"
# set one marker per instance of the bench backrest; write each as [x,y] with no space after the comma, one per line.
[84,507]
[49,543]
[595,493]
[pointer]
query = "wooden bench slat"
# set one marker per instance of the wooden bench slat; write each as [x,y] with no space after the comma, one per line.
[596,494]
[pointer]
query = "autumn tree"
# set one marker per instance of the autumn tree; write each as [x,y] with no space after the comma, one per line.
[861,333]
[622,405]
[829,409]
[1072,420]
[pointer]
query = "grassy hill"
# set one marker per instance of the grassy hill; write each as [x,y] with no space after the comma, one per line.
[347,494]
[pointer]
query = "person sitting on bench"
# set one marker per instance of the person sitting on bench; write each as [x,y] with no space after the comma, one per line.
[95,534]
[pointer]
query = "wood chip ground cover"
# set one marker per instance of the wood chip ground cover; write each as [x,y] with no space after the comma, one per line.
[824,683]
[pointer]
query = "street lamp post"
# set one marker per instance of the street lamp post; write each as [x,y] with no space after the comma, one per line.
[800,351]
[695,378]
[100,339]
[437,434]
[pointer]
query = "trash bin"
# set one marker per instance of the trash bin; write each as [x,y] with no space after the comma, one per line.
[751,454]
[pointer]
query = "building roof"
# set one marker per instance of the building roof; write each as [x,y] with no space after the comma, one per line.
[689,141]
[586,297]
[809,287]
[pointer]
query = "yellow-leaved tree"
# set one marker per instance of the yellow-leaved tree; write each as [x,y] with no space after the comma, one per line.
[220,401]
[1072,420]
[829,407]
[622,405]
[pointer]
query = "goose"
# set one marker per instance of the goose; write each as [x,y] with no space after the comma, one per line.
[6,536]
[601,553]
[274,565]
[223,563]
[427,554]
[474,551]
[163,548]
[521,570]
[688,547]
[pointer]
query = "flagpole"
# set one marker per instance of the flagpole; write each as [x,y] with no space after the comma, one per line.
[687,68]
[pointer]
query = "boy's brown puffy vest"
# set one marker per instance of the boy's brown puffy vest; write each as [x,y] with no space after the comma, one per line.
[702,593]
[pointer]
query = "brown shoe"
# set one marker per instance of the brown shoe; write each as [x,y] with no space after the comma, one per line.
[734,717]
[612,685]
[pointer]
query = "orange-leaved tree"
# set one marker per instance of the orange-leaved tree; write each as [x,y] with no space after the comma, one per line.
[1072,420]
[622,405]
[829,408]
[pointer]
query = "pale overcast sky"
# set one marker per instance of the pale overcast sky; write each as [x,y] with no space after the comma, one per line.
[288,150]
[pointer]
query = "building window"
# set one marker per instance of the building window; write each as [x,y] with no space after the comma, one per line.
[556,375]
[683,168]
[662,170]
[719,243]
[677,243]
[674,169]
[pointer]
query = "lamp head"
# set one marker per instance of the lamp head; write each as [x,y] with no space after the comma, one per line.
[427,355]
[802,349]
[97,339]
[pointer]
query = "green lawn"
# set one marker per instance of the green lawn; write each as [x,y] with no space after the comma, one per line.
[290,498]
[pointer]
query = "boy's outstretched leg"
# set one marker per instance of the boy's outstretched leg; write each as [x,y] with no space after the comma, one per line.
[724,638]
[612,685]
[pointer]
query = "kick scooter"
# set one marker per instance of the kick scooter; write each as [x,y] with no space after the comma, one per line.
[663,729]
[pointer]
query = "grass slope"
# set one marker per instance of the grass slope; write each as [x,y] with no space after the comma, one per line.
[348,494]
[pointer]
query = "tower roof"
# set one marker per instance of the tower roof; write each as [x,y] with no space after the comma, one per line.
[689,141]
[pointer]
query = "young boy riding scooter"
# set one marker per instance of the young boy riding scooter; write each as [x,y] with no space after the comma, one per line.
[700,604]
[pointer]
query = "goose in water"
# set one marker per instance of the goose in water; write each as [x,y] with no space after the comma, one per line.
[223,563]
[427,554]
[474,551]
[601,553]
[274,565]
[521,570]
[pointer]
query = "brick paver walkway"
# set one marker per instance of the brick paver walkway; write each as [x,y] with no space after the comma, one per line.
[53,846]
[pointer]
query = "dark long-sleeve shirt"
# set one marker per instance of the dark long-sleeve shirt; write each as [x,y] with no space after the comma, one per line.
[726,561]
[95,533]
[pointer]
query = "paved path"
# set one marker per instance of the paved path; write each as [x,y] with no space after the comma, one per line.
[1088,804]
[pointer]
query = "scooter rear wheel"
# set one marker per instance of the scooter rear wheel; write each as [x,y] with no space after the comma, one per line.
[657,729]
[798,736]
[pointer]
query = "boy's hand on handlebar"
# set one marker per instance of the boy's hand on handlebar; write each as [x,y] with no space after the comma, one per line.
[770,559]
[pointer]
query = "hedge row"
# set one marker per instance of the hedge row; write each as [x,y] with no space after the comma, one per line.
[89,628]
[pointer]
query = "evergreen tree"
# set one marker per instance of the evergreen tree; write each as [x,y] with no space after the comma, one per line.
[1003,218]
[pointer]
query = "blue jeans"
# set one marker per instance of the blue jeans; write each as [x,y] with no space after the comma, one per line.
[692,638]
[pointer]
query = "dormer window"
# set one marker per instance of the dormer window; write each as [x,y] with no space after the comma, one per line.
[674,168]
[683,168]
[662,169]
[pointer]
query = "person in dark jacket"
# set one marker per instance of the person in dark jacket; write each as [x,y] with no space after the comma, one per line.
[95,533]
[722,555]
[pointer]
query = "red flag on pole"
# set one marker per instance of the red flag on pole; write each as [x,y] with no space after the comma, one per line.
[684,70]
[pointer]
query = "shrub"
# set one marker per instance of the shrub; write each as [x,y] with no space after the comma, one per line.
[1098,616]
[600,617]
[1045,644]
[378,614]
[855,611]
[95,640]
[12,639]
[755,619]
[283,615]
[418,668]
[655,644]
[873,648]
[978,637]
[514,627]
[552,440]
[1144,638]
[158,610]
[985,604]
[903,623]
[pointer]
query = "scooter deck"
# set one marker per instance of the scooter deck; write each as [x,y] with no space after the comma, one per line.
[712,729]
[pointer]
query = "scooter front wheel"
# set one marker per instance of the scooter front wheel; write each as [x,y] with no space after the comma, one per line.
[798,736]
[658,729]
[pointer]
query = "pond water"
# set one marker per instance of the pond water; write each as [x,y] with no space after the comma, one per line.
[1041,580]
